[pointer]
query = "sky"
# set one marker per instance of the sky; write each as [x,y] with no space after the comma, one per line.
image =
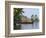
[29,11]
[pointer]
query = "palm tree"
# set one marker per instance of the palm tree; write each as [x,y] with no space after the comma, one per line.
[32,18]
[17,16]
[36,18]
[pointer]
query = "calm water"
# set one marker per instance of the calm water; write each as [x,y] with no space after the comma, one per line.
[35,25]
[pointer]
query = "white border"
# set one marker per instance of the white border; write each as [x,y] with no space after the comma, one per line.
[25,31]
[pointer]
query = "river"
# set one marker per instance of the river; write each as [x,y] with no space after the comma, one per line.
[35,25]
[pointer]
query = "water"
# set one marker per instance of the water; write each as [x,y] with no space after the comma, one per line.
[35,25]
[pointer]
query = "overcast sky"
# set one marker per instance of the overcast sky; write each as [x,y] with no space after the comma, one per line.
[29,11]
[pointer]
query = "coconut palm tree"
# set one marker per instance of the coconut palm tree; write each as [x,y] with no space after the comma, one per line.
[36,18]
[32,19]
[17,16]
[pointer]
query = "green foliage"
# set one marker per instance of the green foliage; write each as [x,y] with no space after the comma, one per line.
[17,13]
[17,16]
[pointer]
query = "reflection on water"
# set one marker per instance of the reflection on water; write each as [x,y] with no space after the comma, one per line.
[35,25]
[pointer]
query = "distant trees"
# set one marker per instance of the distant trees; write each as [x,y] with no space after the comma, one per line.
[34,18]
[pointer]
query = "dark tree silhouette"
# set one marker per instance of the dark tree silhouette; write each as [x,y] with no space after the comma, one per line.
[17,16]
[32,18]
[36,18]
